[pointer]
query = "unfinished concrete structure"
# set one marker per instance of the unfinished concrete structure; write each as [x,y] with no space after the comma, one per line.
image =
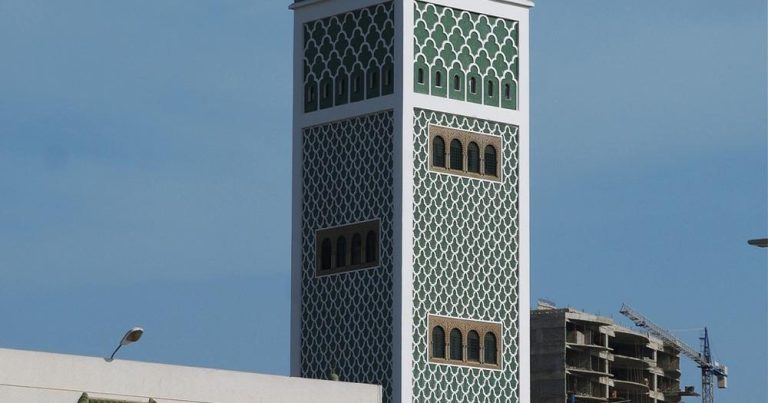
[580,357]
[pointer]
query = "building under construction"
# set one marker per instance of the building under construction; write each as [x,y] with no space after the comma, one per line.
[580,357]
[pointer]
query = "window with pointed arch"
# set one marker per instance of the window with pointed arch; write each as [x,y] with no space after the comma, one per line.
[471,343]
[471,154]
[347,248]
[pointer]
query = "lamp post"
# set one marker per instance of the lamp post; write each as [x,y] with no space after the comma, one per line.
[760,243]
[130,336]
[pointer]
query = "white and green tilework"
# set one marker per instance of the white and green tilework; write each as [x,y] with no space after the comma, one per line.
[346,319]
[465,56]
[465,262]
[349,57]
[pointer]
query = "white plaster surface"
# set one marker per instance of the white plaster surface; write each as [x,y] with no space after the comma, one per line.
[35,377]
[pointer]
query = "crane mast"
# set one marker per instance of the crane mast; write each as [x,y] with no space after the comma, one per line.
[709,368]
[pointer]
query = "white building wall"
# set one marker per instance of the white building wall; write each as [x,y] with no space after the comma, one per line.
[35,377]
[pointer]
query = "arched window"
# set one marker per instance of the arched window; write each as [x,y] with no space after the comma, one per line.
[420,76]
[490,161]
[456,82]
[326,90]
[473,158]
[356,249]
[456,347]
[325,255]
[374,79]
[473,346]
[341,252]
[490,88]
[371,247]
[311,93]
[490,348]
[356,84]
[457,155]
[342,84]
[387,76]
[438,342]
[438,79]
[438,152]
[507,91]
[472,85]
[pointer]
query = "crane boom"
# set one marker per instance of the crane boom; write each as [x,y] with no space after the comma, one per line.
[663,334]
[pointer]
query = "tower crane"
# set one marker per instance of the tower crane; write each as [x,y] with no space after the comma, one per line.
[709,369]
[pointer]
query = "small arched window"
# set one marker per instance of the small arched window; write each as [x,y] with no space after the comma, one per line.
[325,255]
[420,76]
[341,252]
[371,247]
[456,82]
[472,85]
[438,152]
[490,348]
[457,155]
[374,79]
[438,79]
[473,346]
[357,245]
[356,84]
[473,158]
[490,88]
[311,93]
[326,90]
[456,345]
[341,85]
[387,76]
[507,91]
[490,161]
[438,342]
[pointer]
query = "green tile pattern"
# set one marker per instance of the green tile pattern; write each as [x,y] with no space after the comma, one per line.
[465,262]
[454,44]
[347,169]
[349,57]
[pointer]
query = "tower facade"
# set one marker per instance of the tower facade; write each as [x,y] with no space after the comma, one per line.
[410,208]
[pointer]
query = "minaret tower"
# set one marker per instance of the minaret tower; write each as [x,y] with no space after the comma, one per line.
[410,246]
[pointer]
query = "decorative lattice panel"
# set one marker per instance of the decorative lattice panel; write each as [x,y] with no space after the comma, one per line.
[349,57]
[346,320]
[465,263]
[465,56]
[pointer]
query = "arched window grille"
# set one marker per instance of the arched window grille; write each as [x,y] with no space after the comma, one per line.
[326,90]
[473,158]
[472,85]
[325,255]
[490,348]
[342,83]
[507,91]
[490,88]
[473,346]
[456,345]
[438,79]
[420,76]
[356,249]
[374,79]
[371,247]
[490,161]
[457,155]
[438,152]
[341,252]
[438,342]
[456,82]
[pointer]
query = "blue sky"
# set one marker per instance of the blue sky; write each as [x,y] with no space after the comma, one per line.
[145,177]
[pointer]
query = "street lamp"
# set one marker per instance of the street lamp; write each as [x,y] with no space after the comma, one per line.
[761,243]
[131,336]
